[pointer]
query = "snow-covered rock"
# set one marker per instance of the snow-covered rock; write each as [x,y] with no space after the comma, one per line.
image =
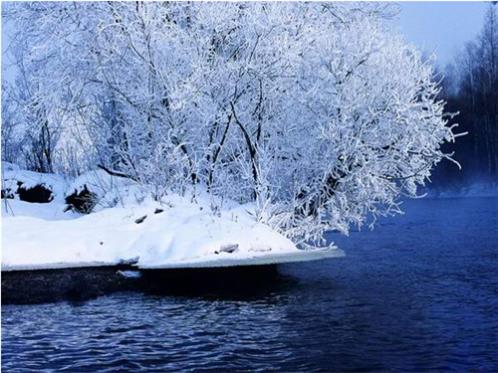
[13,179]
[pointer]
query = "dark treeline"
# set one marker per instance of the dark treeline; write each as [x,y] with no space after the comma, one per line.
[471,89]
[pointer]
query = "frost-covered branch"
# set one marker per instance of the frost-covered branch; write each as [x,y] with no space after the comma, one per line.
[313,114]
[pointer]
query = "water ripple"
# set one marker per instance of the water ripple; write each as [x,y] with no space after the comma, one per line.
[410,301]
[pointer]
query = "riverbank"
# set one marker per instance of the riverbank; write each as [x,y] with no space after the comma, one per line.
[418,293]
[98,219]
[80,284]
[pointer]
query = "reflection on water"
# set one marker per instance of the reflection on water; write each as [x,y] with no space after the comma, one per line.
[418,293]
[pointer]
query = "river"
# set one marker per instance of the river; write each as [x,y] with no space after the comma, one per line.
[420,292]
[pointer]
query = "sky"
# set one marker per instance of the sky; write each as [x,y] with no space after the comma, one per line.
[442,28]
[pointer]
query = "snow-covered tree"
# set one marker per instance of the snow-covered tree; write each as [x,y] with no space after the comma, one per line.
[317,113]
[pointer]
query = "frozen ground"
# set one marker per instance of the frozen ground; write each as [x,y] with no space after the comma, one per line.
[173,233]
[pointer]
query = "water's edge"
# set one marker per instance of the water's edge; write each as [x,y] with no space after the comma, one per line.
[419,293]
[52,285]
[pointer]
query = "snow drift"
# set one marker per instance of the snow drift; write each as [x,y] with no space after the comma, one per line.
[128,226]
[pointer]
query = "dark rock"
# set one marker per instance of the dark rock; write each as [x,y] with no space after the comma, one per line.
[229,248]
[140,220]
[7,193]
[129,262]
[82,202]
[40,193]
[156,211]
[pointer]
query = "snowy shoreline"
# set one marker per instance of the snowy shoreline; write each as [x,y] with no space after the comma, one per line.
[301,256]
[176,232]
[76,284]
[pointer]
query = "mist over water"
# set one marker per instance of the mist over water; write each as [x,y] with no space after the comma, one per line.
[420,292]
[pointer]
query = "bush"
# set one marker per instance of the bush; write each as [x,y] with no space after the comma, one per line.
[83,201]
[39,193]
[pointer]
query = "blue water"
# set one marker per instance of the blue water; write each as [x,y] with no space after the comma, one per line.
[418,293]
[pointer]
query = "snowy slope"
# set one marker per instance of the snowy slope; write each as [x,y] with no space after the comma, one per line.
[11,175]
[45,211]
[175,233]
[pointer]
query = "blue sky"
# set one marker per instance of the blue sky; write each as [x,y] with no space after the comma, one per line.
[441,27]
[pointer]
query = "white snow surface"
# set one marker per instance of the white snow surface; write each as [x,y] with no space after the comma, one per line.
[185,234]
[11,175]
[109,189]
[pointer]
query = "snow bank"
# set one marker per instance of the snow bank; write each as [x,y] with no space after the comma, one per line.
[173,233]
[12,176]
[8,166]
[45,211]
[108,189]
